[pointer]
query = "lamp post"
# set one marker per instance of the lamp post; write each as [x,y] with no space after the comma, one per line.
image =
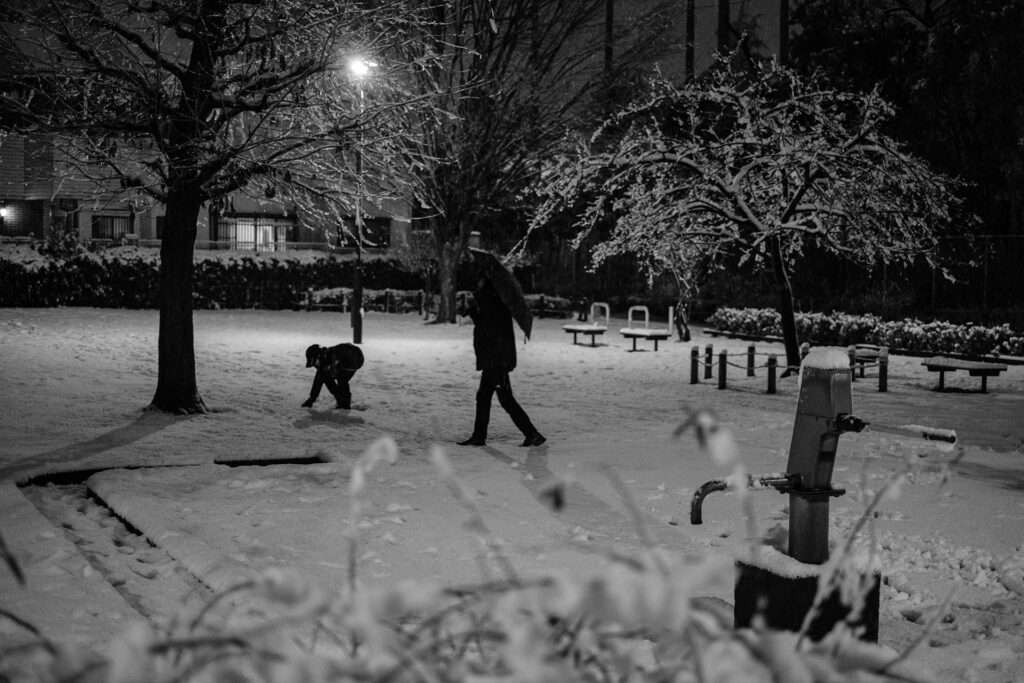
[359,69]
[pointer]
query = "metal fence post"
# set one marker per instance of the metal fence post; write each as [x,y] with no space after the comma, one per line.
[883,369]
[723,360]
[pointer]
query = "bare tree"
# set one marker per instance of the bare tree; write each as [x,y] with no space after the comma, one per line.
[496,84]
[184,100]
[756,164]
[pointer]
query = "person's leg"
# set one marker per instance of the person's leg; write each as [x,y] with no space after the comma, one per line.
[483,409]
[342,392]
[314,392]
[531,437]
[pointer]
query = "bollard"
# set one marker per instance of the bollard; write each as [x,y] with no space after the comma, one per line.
[723,360]
[694,365]
[750,360]
[852,353]
[708,353]
[773,364]
[883,369]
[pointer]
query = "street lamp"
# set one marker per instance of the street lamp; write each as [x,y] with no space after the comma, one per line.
[359,69]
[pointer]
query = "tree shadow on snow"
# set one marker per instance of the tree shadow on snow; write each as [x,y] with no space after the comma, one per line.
[149,422]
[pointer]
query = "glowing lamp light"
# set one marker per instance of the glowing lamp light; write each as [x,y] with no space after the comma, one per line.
[360,67]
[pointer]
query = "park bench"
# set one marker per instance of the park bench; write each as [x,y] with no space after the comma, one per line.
[312,304]
[633,331]
[594,327]
[864,355]
[549,307]
[943,364]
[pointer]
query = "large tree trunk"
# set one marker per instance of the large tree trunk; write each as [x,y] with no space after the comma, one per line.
[786,310]
[176,389]
[450,238]
[447,272]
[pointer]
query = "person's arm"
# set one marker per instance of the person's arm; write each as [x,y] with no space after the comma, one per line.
[314,392]
[473,309]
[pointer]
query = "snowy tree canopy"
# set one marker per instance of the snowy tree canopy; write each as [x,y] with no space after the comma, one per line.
[754,164]
[725,164]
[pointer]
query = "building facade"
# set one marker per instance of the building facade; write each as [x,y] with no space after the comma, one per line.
[41,194]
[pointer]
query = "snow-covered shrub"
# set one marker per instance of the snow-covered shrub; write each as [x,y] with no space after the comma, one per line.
[128,277]
[843,329]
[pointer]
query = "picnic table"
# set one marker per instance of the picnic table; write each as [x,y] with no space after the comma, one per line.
[598,309]
[944,364]
[633,330]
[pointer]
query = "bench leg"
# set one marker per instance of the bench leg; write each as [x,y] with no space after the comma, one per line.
[574,338]
[656,345]
[634,344]
[984,384]
[593,340]
[942,378]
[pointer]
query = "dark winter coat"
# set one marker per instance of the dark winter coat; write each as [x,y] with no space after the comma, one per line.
[494,339]
[333,360]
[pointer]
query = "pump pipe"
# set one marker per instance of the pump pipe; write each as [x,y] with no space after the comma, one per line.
[783,483]
[850,423]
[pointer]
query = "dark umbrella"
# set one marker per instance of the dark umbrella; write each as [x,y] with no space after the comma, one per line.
[505,283]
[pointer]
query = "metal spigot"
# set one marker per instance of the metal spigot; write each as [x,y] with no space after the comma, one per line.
[848,423]
[705,489]
[783,483]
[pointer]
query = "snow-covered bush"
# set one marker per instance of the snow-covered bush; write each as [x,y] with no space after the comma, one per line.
[843,329]
[128,277]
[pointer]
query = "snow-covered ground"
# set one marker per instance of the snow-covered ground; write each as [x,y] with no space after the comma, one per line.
[75,382]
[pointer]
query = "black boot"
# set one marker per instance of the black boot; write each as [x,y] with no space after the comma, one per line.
[535,439]
[480,422]
[519,417]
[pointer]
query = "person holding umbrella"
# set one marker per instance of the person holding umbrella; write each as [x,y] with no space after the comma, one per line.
[497,299]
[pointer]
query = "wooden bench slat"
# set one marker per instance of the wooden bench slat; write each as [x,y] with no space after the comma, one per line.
[641,332]
[975,368]
[956,364]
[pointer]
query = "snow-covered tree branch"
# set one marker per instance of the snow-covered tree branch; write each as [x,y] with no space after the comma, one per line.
[753,165]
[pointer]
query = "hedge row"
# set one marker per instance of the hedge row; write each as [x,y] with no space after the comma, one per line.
[843,329]
[132,282]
